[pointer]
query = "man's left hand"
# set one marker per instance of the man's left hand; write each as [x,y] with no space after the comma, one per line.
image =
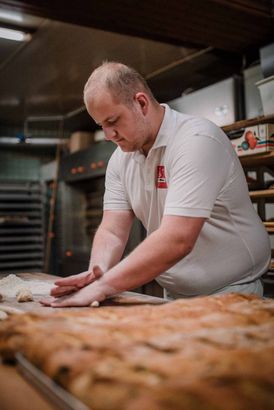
[82,297]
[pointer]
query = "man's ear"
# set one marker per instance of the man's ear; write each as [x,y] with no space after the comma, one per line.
[142,100]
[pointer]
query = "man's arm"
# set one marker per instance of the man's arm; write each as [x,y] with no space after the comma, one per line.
[174,239]
[110,239]
[107,249]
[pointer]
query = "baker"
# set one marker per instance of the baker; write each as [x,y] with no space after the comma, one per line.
[180,176]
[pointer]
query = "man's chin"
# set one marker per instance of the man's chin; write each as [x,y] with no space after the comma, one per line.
[125,148]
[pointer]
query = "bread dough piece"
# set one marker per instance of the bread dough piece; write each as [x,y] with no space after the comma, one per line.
[24,295]
[3,315]
[95,304]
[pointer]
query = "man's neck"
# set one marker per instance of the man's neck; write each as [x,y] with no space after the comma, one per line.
[157,117]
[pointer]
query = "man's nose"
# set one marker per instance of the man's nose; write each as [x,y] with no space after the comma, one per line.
[110,133]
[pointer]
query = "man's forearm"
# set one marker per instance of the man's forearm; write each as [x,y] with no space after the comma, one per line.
[107,250]
[161,250]
[145,263]
[152,257]
[156,254]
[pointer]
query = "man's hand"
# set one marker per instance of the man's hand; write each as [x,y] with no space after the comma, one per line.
[83,297]
[73,283]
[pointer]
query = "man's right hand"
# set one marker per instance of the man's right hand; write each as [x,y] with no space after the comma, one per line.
[75,282]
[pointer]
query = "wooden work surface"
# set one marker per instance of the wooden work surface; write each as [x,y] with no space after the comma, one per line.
[124,299]
[15,392]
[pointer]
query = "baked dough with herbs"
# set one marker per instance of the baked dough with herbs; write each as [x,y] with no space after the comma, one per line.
[206,353]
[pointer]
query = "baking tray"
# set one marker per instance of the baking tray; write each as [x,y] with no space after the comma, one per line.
[62,399]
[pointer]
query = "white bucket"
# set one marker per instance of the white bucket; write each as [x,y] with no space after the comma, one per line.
[266,88]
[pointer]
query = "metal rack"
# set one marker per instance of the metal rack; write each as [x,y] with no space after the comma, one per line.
[21,227]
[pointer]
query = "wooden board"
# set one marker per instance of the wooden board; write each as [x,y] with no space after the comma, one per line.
[26,396]
[123,299]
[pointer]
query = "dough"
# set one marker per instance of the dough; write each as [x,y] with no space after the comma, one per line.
[95,304]
[3,315]
[24,295]
[10,285]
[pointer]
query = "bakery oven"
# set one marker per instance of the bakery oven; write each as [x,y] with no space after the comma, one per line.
[79,212]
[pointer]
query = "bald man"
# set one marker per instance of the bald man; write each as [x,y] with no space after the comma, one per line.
[179,175]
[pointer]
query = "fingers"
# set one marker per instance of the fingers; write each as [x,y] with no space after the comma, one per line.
[72,284]
[80,280]
[83,297]
[72,280]
[62,290]
[46,301]
[92,276]
[63,301]
[68,302]
[97,272]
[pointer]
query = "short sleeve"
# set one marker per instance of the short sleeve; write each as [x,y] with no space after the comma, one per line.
[198,171]
[115,196]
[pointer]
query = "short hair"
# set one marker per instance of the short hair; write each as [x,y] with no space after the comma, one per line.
[122,81]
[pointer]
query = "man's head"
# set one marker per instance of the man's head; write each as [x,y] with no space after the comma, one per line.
[119,100]
[121,81]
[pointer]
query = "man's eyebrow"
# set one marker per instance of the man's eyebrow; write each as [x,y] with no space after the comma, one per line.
[110,117]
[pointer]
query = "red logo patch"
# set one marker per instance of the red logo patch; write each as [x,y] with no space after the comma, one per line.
[161,177]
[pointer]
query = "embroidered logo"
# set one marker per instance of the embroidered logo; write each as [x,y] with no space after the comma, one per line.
[161,177]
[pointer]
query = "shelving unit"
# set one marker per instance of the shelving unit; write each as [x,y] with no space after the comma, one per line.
[264,193]
[256,161]
[260,163]
[266,159]
[21,227]
[263,119]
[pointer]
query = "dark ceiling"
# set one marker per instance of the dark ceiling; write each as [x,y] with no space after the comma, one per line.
[177,45]
[231,25]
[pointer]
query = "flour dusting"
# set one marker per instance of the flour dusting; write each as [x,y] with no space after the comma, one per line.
[11,284]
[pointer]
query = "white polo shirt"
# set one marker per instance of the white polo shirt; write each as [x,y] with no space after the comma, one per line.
[193,170]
